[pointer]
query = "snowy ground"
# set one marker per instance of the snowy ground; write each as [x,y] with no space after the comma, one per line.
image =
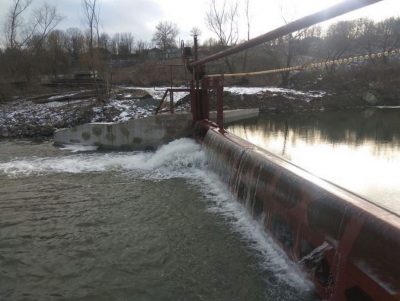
[55,114]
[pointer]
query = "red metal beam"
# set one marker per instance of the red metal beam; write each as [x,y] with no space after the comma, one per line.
[171,97]
[323,15]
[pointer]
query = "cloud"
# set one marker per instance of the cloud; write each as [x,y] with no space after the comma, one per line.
[138,16]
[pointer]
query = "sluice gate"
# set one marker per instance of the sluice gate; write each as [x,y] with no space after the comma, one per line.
[347,245]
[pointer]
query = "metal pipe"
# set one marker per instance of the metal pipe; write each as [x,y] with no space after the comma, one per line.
[323,15]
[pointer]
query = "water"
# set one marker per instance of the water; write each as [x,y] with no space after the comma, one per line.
[356,149]
[131,226]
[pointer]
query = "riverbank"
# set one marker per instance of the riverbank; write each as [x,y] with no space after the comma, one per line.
[39,117]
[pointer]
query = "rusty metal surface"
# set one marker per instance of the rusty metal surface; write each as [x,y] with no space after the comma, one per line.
[356,242]
[215,84]
[323,15]
[171,91]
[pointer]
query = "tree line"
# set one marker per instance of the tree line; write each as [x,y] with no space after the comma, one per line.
[34,47]
[340,39]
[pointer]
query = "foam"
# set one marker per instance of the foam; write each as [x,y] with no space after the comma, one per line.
[74,148]
[176,159]
[182,158]
[271,257]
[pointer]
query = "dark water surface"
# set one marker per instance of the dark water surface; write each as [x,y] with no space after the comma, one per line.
[356,149]
[130,226]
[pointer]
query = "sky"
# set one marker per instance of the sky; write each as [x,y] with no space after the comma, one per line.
[140,17]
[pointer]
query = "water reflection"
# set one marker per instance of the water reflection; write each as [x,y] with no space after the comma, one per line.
[356,149]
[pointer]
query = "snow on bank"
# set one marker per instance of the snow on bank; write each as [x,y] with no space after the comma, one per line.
[158,92]
[288,93]
[27,114]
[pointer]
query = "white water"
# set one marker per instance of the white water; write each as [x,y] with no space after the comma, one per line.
[182,158]
[75,148]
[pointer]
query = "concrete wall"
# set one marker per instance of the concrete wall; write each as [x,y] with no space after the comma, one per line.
[138,134]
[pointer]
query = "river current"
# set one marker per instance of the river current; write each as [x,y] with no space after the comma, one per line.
[77,224]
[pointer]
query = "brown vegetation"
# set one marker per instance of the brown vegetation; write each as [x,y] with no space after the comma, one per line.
[34,56]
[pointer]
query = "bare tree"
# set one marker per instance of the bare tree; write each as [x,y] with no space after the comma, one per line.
[115,43]
[74,42]
[91,10]
[25,38]
[56,57]
[42,21]
[248,19]
[142,47]
[126,43]
[14,22]
[284,49]
[389,33]
[223,21]
[104,42]
[367,35]
[165,35]
[195,31]
[210,42]
[340,38]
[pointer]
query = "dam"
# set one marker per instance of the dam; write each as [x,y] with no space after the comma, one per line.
[346,245]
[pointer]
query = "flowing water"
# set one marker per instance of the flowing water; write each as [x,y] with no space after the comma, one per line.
[131,226]
[356,149]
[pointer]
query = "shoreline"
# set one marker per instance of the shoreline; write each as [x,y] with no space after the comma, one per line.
[29,119]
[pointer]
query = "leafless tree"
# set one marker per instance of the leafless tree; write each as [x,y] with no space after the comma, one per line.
[104,42]
[248,19]
[126,43]
[340,38]
[195,31]
[210,42]
[142,47]
[74,42]
[284,49]
[115,43]
[14,23]
[165,35]
[41,22]
[367,35]
[389,32]
[25,37]
[56,57]
[44,20]
[223,21]
[122,43]
[91,10]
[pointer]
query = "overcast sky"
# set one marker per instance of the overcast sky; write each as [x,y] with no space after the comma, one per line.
[141,16]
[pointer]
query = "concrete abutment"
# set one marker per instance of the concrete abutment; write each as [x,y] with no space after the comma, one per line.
[146,133]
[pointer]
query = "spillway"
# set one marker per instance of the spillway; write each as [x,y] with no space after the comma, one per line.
[348,246]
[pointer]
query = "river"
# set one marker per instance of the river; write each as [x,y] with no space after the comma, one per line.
[358,150]
[77,224]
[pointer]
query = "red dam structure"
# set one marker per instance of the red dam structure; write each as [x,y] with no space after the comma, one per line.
[348,246]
